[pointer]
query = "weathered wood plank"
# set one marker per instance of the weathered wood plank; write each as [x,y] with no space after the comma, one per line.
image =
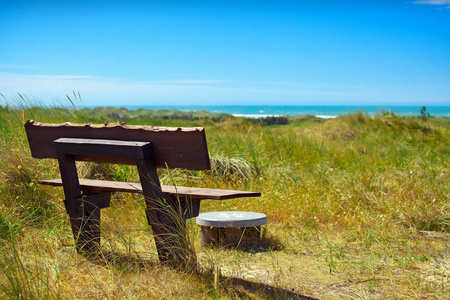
[96,147]
[184,193]
[173,147]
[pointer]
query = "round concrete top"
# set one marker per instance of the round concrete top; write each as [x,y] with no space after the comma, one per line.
[231,219]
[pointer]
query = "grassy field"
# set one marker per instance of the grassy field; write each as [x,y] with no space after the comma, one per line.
[358,208]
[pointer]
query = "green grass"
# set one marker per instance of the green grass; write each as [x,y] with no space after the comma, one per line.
[358,207]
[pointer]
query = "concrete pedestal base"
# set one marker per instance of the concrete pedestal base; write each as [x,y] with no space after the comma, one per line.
[231,228]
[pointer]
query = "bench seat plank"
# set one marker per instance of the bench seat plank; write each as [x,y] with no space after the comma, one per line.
[184,193]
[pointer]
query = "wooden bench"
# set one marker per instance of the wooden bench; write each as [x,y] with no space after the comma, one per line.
[148,148]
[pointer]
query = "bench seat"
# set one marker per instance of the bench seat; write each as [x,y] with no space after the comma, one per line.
[183,193]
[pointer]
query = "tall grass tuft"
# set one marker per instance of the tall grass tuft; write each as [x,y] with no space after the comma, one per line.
[233,168]
[24,277]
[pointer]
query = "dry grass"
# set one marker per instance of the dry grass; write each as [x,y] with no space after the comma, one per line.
[358,208]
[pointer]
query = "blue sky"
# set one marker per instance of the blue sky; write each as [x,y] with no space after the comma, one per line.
[374,52]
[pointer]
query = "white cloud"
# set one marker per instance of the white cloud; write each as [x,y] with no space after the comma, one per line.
[16,67]
[193,81]
[122,92]
[105,91]
[433,2]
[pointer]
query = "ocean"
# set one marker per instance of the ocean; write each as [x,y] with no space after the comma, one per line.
[326,112]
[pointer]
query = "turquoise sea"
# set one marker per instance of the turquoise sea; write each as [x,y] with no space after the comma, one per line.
[253,111]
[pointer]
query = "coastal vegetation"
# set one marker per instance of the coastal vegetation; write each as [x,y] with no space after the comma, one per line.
[358,208]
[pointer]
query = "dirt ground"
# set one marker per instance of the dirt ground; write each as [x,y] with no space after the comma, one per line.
[299,269]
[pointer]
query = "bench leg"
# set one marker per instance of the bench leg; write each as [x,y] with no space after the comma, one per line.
[89,236]
[86,224]
[168,226]
[170,233]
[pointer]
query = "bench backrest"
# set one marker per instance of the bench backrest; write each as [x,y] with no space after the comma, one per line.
[175,147]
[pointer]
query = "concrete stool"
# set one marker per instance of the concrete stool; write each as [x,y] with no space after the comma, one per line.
[231,228]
